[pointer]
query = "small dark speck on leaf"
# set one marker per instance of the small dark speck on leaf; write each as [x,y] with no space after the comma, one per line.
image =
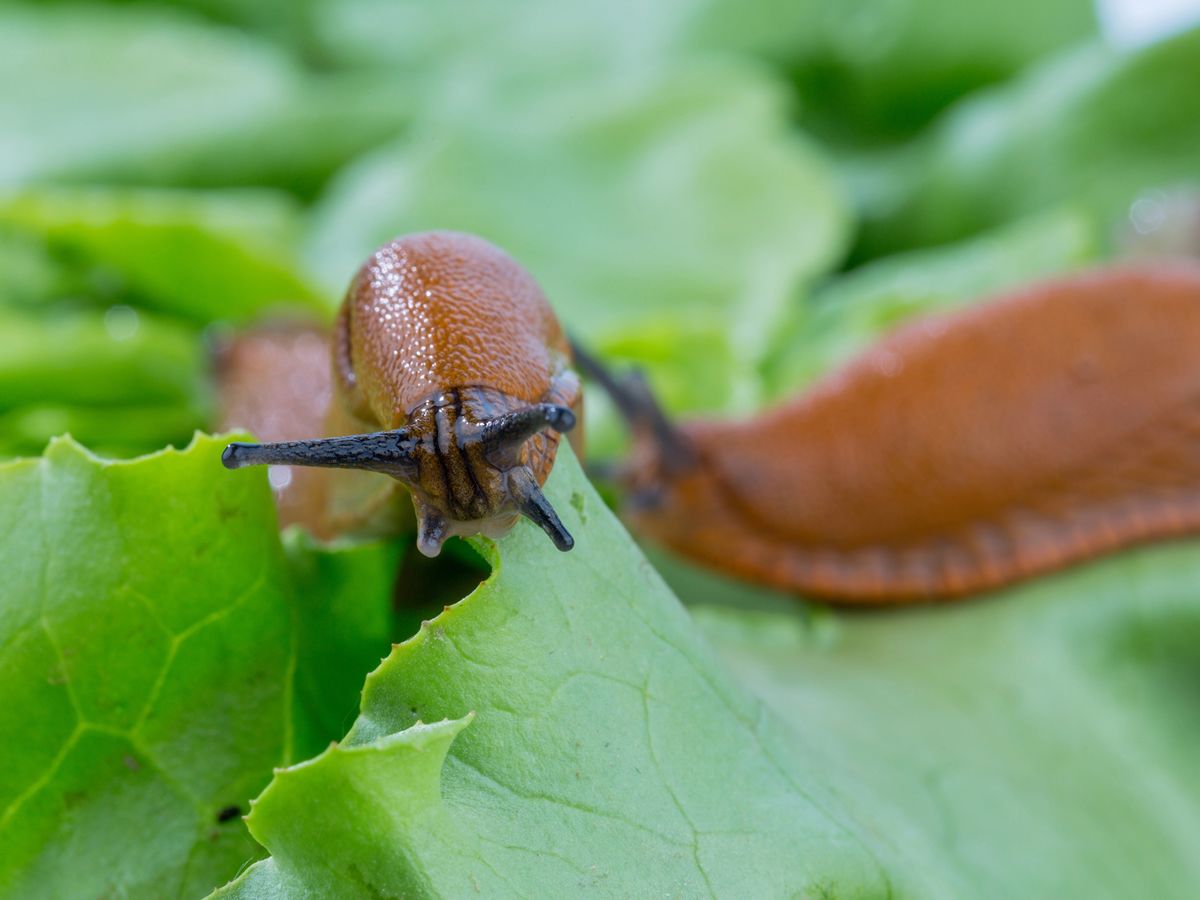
[229,812]
[131,762]
[578,501]
[74,798]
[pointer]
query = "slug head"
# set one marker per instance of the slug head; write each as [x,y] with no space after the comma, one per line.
[467,475]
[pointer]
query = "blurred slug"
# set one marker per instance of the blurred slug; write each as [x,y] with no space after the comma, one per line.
[446,353]
[964,452]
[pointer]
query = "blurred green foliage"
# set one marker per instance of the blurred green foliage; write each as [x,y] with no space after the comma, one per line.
[736,196]
[873,71]
[206,256]
[1093,127]
[108,89]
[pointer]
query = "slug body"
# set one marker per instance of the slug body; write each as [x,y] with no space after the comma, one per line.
[964,452]
[275,380]
[446,352]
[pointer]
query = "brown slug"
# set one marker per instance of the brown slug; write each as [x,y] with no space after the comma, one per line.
[447,354]
[964,452]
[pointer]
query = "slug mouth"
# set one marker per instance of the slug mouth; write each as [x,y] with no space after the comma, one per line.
[465,475]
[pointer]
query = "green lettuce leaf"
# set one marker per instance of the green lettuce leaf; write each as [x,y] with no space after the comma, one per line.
[31,273]
[122,381]
[120,431]
[882,66]
[523,46]
[121,356]
[296,145]
[138,94]
[672,217]
[287,21]
[203,255]
[565,729]
[158,659]
[872,70]
[1094,128]
[1036,743]
[562,729]
[344,623]
[103,86]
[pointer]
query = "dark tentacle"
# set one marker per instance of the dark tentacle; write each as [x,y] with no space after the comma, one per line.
[635,400]
[382,451]
[534,505]
[506,433]
[630,405]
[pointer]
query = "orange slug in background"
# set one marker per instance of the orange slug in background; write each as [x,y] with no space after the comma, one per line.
[452,375]
[964,452]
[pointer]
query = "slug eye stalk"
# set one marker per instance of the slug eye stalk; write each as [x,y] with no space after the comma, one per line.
[506,433]
[389,452]
[639,407]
